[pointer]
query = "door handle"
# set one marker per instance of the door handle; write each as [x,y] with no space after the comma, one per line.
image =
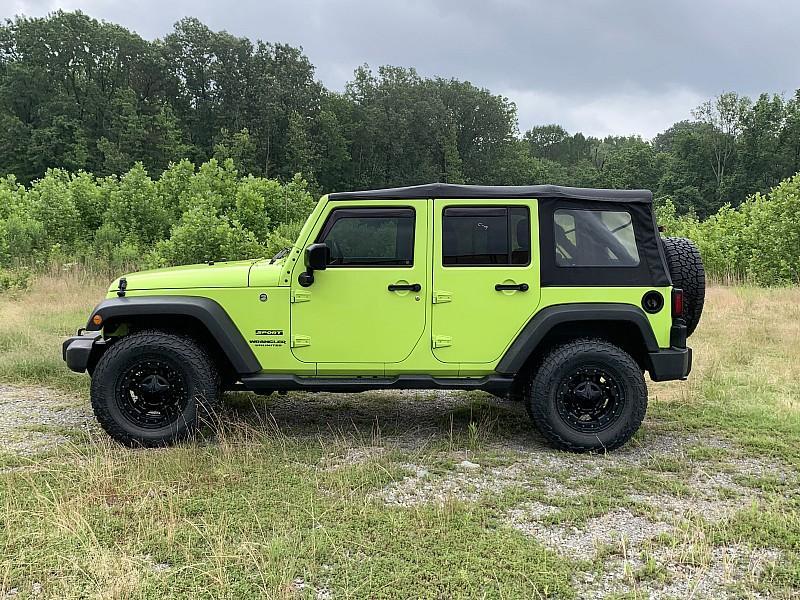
[409,287]
[520,287]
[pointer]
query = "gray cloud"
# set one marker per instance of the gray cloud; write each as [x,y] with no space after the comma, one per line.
[600,66]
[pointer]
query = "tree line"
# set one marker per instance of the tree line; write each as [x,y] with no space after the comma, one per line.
[134,152]
[85,95]
[758,242]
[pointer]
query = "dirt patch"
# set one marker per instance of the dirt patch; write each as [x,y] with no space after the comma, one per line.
[35,420]
[465,484]
[301,588]
[557,474]
[631,560]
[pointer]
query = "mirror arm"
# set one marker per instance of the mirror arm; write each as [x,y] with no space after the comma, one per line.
[306,278]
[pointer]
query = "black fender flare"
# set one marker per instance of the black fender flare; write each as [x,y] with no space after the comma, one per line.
[546,319]
[208,312]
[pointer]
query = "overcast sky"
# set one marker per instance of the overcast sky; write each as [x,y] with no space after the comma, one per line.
[597,66]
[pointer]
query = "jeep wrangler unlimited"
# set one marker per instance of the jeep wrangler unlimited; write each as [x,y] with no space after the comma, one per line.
[559,297]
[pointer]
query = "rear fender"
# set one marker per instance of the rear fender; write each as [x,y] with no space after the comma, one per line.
[591,318]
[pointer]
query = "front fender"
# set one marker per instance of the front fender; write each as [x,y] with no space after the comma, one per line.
[207,312]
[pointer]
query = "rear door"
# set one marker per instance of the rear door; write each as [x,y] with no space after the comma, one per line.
[485,276]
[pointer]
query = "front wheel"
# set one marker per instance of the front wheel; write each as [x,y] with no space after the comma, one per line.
[587,395]
[152,388]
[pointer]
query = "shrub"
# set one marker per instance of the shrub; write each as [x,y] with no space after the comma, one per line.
[14,280]
[203,235]
[759,241]
[90,198]
[187,215]
[22,239]
[136,210]
[50,203]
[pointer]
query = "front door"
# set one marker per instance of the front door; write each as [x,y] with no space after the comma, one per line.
[485,277]
[367,306]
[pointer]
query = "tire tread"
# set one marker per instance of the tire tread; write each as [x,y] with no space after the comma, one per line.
[687,273]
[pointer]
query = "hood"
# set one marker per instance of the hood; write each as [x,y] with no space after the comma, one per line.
[216,275]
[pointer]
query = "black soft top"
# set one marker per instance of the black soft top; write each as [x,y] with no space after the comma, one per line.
[479,192]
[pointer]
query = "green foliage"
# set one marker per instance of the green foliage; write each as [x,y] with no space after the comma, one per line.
[759,241]
[188,215]
[204,235]
[135,210]
[238,147]
[14,280]
[50,203]
[82,95]
[91,114]
[22,239]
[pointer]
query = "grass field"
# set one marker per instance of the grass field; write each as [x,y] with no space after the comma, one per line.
[409,495]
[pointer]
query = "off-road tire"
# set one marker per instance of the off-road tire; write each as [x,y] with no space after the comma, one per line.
[687,272]
[542,395]
[185,356]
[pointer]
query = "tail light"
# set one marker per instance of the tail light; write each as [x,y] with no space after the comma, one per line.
[677,303]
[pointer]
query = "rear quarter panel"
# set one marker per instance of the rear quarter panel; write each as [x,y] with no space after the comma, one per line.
[660,322]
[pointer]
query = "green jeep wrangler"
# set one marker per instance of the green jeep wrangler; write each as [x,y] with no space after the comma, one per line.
[559,297]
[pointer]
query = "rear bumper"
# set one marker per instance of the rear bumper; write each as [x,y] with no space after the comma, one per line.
[671,363]
[80,352]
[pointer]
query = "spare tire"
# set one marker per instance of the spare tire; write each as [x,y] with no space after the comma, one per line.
[688,274]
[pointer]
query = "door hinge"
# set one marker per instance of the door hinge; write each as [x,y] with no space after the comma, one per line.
[442,297]
[298,341]
[300,296]
[442,341]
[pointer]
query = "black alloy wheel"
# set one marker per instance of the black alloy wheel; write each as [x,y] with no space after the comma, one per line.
[590,399]
[155,388]
[152,393]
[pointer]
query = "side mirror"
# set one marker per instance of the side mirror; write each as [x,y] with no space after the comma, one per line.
[317,258]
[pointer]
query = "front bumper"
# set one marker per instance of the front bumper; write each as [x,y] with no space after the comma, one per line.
[671,363]
[80,352]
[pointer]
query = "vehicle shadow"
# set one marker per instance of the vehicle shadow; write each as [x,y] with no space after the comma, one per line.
[403,417]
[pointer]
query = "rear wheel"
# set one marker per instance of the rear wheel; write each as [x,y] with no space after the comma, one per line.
[153,388]
[587,395]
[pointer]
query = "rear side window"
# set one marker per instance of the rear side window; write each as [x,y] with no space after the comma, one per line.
[370,237]
[594,238]
[486,236]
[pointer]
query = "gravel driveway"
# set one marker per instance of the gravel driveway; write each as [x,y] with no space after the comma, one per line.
[35,420]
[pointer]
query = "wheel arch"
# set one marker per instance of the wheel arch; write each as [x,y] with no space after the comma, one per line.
[624,325]
[201,318]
